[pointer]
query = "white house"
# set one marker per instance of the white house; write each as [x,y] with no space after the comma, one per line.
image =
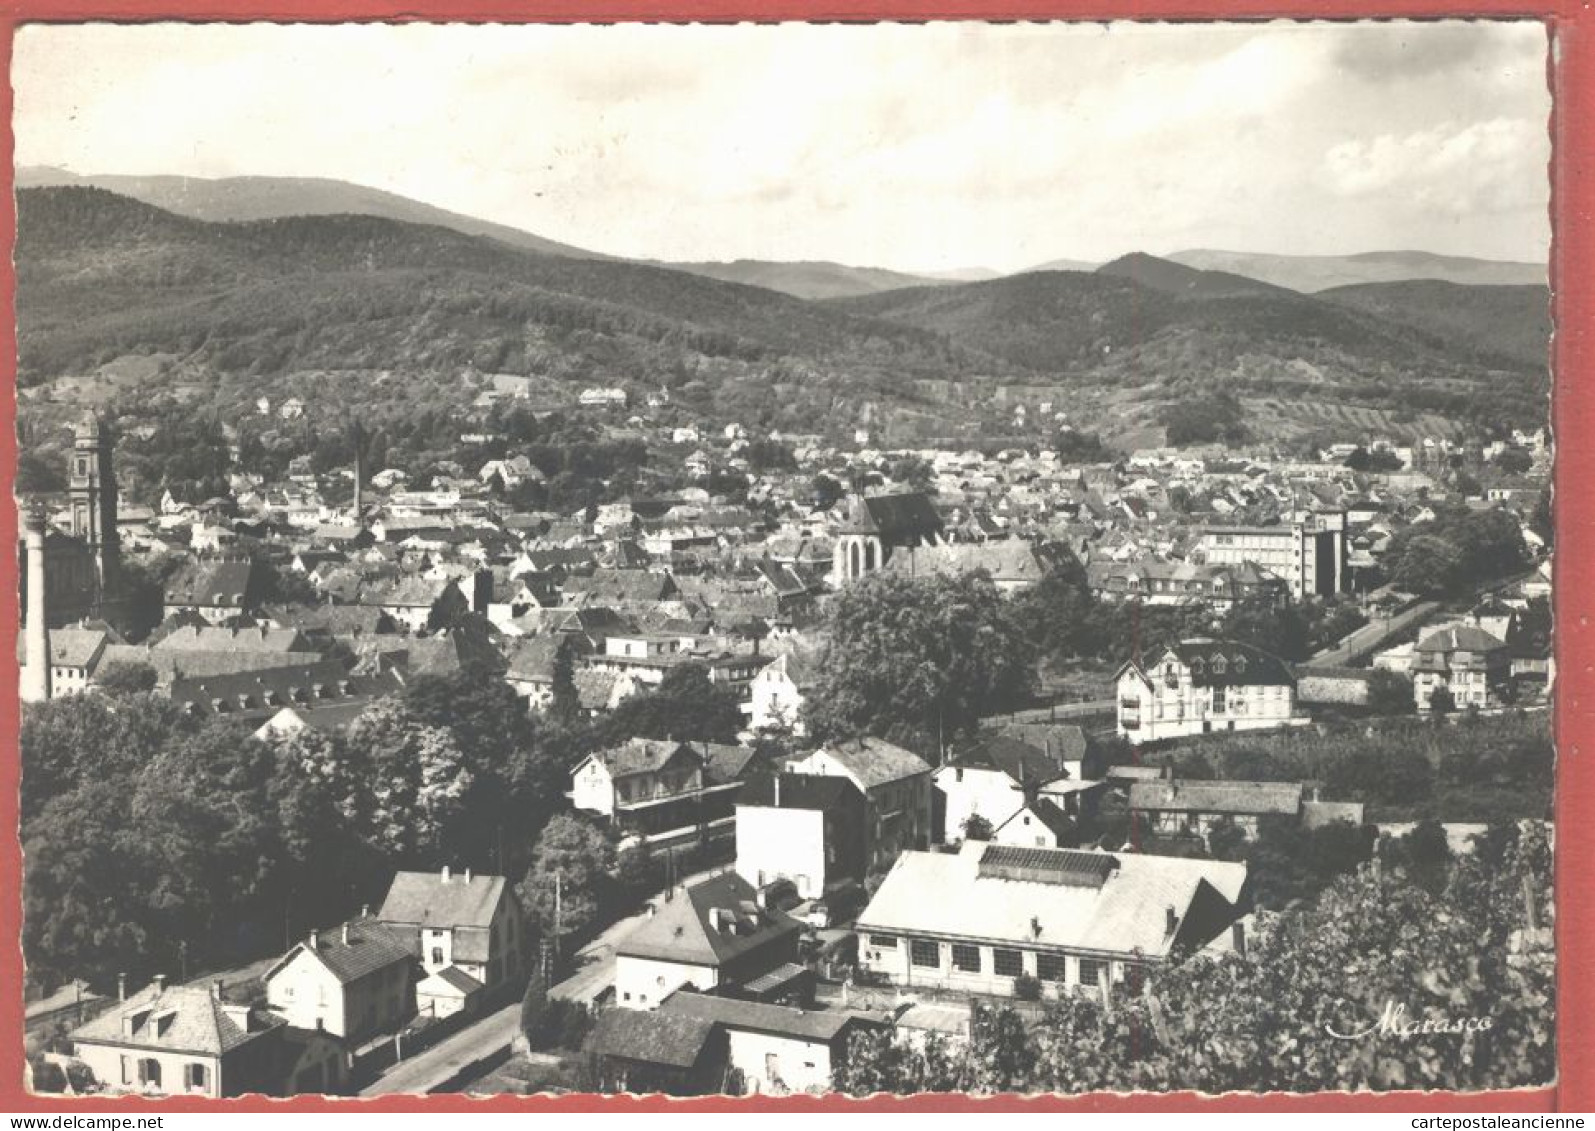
[776,695]
[470,925]
[353,983]
[718,931]
[975,920]
[896,788]
[989,779]
[778,1050]
[1202,686]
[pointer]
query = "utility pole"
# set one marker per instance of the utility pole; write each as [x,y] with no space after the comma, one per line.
[559,910]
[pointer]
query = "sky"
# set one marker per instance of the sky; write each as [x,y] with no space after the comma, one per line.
[916,147]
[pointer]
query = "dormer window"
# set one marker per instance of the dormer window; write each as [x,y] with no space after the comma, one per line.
[1240,665]
[1219,666]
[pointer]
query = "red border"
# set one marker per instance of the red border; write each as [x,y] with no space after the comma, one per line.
[1573,413]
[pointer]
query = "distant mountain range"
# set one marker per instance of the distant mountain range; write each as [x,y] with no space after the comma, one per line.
[273,198]
[809,280]
[265,198]
[259,305]
[1312,273]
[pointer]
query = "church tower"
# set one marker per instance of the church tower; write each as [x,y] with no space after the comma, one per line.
[92,489]
[859,549]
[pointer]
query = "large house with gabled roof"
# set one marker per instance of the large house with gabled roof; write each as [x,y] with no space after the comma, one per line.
[1204,686]
[354,982]
[466,930]
[897,792]
[719,932]
[172,1040]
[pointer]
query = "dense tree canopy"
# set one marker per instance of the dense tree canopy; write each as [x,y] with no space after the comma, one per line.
[918,660]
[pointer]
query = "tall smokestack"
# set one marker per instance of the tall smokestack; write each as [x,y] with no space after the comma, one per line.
[36,670]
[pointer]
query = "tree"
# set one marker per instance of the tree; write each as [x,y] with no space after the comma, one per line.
[919,660]
[73,740]
[915,474]
[1389,693]
[418,780]
[1423,852]
[976,827]
[566,705]
[686,706]
[1514,461]
[572,869]
[1261,623]
[126,677]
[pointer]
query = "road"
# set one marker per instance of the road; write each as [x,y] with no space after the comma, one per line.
[1060,712]
[443,1061]
[1371,636]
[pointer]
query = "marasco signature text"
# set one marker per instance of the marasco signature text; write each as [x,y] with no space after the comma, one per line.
[1395,1022]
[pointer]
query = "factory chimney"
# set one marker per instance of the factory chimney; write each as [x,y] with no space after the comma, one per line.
[36,668]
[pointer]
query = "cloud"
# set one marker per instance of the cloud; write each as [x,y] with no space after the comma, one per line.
[910,146]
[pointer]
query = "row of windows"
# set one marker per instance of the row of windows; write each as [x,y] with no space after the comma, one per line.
[146,1072]
[1006,963]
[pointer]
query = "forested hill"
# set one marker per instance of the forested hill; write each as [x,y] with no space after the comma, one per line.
[103,277]
[1504,324]
[1175,332]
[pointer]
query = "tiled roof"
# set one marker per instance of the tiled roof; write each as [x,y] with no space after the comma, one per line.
[1460,638]
[874,761]
[676,1040]
[205,638]
[224,583]
[1230,663]
[1065,742]
[798,791]
[1022,761]
[370,946]
[1240,797]
[681,929]
[457,979]
[643,756]
[761,1017]
[425,899]
[179,1018]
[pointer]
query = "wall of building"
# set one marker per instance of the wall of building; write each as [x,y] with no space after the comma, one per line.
[775,844]
[1174,712]
[969,790]
[776,1065]
[642,983]
[107,1064]
[896,965]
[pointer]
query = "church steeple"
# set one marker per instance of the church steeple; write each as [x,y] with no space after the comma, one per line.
[859,549]
[92,490]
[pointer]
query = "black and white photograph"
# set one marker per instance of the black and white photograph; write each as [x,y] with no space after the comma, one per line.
[785,559]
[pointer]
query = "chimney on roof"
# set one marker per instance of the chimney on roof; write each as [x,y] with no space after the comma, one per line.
[446,873]
[1237,931]
[777,790]
[216,990]
[314,941]
[346,934]
[467,875]
[365,911]
[1170,919]
[159,981]
[121,987]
